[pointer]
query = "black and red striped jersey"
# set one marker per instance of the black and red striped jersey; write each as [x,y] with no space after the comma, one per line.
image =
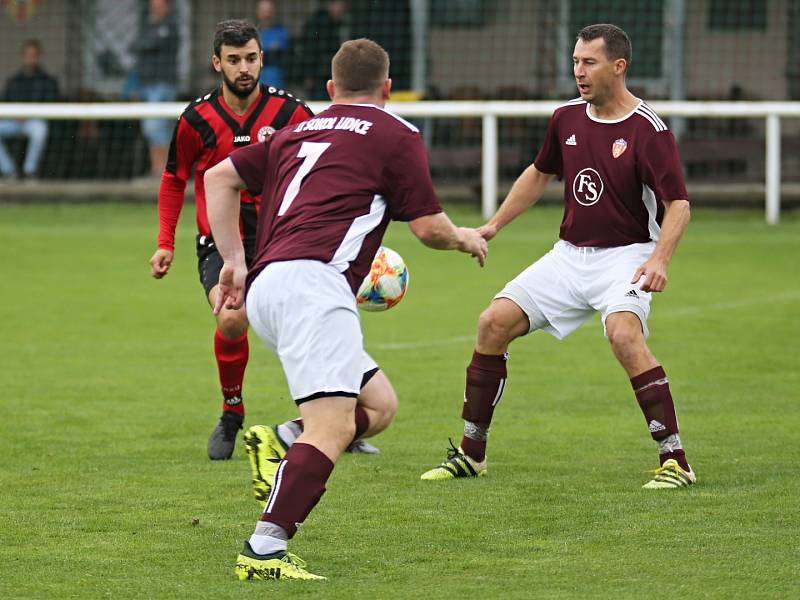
[206,133]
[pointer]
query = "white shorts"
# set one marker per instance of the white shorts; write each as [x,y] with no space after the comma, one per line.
[305,312]
[570,283]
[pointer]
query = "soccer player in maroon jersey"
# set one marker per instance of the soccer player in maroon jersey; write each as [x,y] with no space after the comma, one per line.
[238,113]
[330,186]
[626,208]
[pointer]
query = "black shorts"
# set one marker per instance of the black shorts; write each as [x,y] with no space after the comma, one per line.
[209,261]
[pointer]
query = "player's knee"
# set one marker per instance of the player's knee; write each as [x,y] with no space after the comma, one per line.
[493,328]
[624,339]
[232,323]
[386,409]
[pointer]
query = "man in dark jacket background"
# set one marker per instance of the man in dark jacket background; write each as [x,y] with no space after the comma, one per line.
[30,84]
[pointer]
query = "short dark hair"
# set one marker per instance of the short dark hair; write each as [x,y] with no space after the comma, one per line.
[32,43]
[234,32]
[618,44]
[360,66]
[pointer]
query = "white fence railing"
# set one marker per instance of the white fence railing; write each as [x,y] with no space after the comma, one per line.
[488,111]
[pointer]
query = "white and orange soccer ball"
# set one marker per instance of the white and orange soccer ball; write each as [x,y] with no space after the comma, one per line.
[385,284]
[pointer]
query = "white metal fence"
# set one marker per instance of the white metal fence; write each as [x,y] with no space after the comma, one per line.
[487,111]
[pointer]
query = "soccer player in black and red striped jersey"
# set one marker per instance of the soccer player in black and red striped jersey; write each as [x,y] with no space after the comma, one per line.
[238,113]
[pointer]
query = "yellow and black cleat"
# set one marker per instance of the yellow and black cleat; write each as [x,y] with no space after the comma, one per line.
[283,565]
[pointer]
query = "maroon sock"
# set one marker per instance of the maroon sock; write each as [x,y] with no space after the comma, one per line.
[231,358]
[486,379]
[678,455]
[299,484]
[652,393]
[475,449]
[362,422]
[298,422]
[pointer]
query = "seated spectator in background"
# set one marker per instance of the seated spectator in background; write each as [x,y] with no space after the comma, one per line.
[322,34]
[274,42]
[31,84]
[156,49]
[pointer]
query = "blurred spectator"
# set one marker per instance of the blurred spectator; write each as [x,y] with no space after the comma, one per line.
[31,84]
[274,42]
[322,34]
[156,73]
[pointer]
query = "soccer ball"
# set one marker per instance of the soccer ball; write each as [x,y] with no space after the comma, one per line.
[385,284]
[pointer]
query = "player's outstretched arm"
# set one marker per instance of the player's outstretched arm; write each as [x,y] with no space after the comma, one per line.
[525,192]
[654,269]
[223,186]
[437,231]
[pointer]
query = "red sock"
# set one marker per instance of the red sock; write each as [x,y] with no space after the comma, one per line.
[299,485]
[231,358]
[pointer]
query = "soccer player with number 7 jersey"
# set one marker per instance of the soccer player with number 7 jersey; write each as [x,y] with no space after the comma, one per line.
[330,186]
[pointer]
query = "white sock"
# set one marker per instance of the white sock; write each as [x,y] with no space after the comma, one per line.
[268,538]
[288,432]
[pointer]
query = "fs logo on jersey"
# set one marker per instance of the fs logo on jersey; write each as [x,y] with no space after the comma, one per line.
[618,147]
[264,132]
[587,187]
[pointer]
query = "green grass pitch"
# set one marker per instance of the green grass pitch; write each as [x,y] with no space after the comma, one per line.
[109,392]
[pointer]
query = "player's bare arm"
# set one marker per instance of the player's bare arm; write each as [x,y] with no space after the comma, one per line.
[437,231]
[223,186]
[525,192]
[160,262]
[654,270]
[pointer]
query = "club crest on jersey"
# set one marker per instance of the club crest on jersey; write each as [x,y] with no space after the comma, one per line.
[618,147]
[587,187]
[264,132]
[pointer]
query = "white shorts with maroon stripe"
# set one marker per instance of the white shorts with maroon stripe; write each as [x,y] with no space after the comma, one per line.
[565,287]
[305,312]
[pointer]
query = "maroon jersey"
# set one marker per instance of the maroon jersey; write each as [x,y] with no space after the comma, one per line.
[330,186]
[206,133]
[616,173]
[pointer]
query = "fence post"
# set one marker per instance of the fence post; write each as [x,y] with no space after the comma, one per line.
[489,165]
[773,206]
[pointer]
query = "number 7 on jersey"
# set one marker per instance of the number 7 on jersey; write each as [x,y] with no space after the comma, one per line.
[310,151]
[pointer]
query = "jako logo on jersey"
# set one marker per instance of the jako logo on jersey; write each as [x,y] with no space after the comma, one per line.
[241,139]
[618,147]
[587,187]
[264,132]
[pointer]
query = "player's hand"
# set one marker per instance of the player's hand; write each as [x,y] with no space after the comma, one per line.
[472,242]
[487,231]
[160,262]
[230,292]
[654,272]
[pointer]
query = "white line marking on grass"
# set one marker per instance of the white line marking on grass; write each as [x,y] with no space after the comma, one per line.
[425,343]
[693,310]
[679,312]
